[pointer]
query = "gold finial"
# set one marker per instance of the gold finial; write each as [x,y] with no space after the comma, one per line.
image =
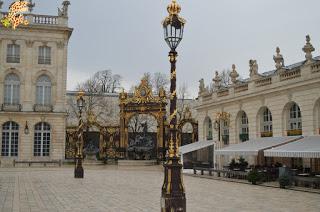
[174,8]
[171,148]
[81,93]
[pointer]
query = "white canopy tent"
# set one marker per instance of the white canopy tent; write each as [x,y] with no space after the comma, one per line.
[252,147]
[194,147]
[306,147]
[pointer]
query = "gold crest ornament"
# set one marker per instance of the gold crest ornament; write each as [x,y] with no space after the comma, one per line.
[15,15]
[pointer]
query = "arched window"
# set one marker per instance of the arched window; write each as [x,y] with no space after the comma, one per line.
[11,89]
[10,139]
[266,123]
[42,138]
[208,129]
[244,127]
[294,122]
[44,90]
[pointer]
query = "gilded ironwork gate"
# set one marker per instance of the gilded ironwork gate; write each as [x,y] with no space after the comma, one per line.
[142,102]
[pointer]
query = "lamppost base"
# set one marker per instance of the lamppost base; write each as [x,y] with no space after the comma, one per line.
[173,204]
[78,172]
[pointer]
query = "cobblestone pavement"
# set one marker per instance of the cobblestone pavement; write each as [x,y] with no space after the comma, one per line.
[135,189]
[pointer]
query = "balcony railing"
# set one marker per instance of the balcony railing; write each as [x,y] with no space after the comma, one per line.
[294,132]
[42,108]
[266,134]
[11,107]
[13,58]
[44,60]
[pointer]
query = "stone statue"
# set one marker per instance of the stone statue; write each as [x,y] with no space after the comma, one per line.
[234,74]
[217,80]
[31,5]
[201,86]
[278,59]
[253,68]
[64,11]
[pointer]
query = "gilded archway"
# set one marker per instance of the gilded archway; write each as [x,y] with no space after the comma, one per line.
[142,102]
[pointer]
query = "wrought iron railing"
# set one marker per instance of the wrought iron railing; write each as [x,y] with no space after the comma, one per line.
[267,134]
[13,58]
[42,108]
[294,132]
[11,107]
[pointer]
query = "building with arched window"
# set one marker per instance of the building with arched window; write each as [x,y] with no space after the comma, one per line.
[281,104]
[33,74]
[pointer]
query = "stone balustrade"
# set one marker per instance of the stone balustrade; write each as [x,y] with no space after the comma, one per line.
[258,83]
[240,88]
[287,75]
[263,81]
[43,20]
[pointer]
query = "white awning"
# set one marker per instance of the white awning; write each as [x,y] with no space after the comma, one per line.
[307,147]
[195,146]
[252,147]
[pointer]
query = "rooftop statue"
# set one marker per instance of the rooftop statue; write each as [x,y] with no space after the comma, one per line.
[253,68]
[217,80]
[278,59]
[64,11]
[201,86]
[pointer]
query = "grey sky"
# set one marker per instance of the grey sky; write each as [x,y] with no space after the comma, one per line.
[126,36]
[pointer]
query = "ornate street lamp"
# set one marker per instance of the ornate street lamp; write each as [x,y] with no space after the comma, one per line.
[173,196]
[78,170]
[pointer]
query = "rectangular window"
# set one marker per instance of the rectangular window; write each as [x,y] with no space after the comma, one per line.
[13,53]
[44,56]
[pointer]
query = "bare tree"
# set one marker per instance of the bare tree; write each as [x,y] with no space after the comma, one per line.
[136,123]
[183,94]
[107,82]
[156,81]
[225,77]
[160,80]
[98,103]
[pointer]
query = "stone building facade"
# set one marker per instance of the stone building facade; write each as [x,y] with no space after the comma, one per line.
[33,67]
[281,102]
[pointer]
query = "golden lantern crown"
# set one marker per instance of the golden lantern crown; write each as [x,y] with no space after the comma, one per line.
[174,8]
[80,94]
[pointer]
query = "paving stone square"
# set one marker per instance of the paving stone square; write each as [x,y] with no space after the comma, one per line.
[135,189]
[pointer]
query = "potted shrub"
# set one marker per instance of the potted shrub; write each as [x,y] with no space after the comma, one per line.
[284,181]
[242,164]
[254,177]
[233,164]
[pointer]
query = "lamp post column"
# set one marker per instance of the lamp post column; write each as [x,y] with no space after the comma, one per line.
[78,170]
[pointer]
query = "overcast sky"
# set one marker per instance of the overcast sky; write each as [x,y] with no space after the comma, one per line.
[127,37]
